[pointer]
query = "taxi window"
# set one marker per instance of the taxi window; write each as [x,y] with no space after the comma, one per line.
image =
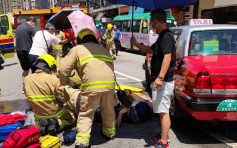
[213,42]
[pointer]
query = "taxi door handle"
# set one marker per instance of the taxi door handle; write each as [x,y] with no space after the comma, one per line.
[10,36]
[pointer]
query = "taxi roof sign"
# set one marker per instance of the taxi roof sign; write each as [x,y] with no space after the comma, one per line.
[194,22]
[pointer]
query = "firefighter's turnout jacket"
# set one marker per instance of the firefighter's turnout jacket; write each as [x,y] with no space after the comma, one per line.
[75,80]
[96,70]
[94,66]
[109,34]
[47,97]
[57,48]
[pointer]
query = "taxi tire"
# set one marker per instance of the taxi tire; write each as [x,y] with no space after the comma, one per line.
[175,110]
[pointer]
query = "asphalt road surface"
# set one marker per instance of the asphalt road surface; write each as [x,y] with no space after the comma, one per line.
[184,133]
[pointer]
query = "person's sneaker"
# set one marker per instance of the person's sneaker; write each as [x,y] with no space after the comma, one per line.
[43,125]
[160,144]
[157,137]
[52,126]
[114,58]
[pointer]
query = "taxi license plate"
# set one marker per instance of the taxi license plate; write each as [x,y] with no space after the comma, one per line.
[227,105]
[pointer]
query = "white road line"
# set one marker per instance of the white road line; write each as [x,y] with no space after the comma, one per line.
[121,78]
[220,137]
[136,79]
[225,140]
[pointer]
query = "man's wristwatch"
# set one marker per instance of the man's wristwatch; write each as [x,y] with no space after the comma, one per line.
[161,78]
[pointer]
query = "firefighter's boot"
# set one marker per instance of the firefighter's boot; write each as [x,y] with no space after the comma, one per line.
[43,126]
[53,126]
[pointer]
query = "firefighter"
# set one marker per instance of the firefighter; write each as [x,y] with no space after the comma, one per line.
[57,48]
[75,80]
[109,35]
[96,70]
[47,96]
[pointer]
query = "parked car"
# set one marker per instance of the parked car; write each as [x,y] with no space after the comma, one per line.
[206,72]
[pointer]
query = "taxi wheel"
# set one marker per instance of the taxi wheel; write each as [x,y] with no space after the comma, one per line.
[175,110]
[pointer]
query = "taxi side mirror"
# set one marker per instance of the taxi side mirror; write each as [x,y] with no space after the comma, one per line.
[3,30]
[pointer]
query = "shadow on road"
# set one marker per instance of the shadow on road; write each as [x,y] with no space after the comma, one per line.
[128,131]
[191,131]
[10,64]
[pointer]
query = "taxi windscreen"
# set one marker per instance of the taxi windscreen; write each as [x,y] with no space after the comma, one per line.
[213,42]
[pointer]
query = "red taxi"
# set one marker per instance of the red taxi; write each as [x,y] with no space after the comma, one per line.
[206,72]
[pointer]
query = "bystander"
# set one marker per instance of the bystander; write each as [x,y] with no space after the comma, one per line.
[24,38]
[118,36]
[162,66]
[42,42]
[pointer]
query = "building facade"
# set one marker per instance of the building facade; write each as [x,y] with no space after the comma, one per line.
[29,4]
[220,11]
[6,6]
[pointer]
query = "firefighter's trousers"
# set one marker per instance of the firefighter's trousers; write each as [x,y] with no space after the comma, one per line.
[74,102]
[88,106]
[57,54]
[65,118]
[112,47]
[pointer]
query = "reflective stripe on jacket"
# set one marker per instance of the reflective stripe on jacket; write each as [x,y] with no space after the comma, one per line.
[58,115]
[42,90]
[41,98]
[109,34]
[57,47]
[94,66]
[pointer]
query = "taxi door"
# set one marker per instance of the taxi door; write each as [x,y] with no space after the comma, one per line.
[6,37]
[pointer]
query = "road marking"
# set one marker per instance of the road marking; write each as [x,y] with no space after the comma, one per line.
[220,137]
[136,79]
[225,140]
[121,78]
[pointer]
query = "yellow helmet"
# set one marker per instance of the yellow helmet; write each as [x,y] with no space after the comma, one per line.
[50,60]
[85,32]
[109,26]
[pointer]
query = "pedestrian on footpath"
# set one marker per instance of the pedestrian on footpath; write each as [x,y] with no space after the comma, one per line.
[24,39]
[47,97]
[117,38]
[96,70]
[42,43]
[162,66]
[109,35]
[57,48]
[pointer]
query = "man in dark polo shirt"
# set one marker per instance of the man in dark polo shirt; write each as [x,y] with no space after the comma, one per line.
[162,66]
[24,39]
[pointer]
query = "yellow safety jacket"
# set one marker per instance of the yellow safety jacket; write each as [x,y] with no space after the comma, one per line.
[109,34]
[47,96]
[94,66]
[60,36]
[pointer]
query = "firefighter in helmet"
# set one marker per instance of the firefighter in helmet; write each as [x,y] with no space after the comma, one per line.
[96,70]
[47,97]
[109,35]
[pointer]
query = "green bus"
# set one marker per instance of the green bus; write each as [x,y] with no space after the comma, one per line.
[142,31]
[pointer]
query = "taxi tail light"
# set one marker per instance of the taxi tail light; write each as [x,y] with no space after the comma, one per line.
[224,82]
[202,83]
